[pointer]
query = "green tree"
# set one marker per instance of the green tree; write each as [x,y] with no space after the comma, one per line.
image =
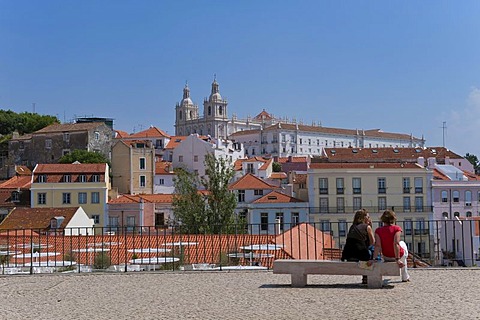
[221,202]
[474,161]
[188,204]
[211,211]
[276,167]
[24,122]
[83,156]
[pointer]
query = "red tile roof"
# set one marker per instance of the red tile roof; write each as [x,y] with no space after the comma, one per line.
[22,182]
[121,134]
[175,141]
[152,198]
[35,218]
[278,175]
[163,167]
[277,197]
[69,127]
[23,170]
[70,168]
[264,115]
[382,154]
[365,165]
[251,182]
[292,159]
[152,132]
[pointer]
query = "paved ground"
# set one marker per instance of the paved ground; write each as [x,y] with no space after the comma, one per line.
[432,294]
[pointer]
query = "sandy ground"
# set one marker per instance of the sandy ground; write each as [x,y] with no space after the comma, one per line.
[431,294]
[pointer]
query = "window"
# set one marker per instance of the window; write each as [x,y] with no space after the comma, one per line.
[42,178]
[406,185]
[241,195]
[445,215]
[456,214]
[456,196]
[15,197]
[444,196]
[48,143]
[67,178]
[357,203]
[342,228]
[161,182]
[406,204]
[65,152]
[323,185]
[418,204]
[97,135]
[96,218]
[340,186]
[159,219]
[82,197]
[468,214]
[258,192]
[295,219]
[418,185]
[408,226]
[82,178]
[53,223]
[382,185]
[42,198]
[142,181]
[325,226]
[95,178]
[340,204]
[95,197]
[323,205]
[130,223]
[468,198]
[142,164]
[279,220]
[382,203]
[250,168]
[66,198]
[113,221]
[180,158]
[264,221]
[420,227]
[357,185]
[66,136]
[195,158]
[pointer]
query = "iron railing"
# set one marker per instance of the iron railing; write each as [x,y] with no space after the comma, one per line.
[436,243]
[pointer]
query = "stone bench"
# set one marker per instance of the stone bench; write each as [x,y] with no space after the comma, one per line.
[299,269]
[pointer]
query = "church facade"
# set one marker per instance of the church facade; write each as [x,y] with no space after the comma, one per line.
[267,135]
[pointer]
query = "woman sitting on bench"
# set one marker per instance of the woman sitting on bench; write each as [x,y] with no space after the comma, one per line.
[359,238]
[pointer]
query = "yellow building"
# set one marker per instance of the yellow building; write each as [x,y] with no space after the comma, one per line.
[133,167]
[338,189]
[72,185]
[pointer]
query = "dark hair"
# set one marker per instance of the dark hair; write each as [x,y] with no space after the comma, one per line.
[389,217]
[360,216]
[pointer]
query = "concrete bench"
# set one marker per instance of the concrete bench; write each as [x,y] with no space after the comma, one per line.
[299,269]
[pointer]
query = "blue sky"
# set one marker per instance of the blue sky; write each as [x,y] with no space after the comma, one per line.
[401,66]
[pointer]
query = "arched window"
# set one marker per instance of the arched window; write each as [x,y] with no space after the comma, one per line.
[468,214]
[220,110]
[456,214]
[444,196]
[456,196]
[180,115]
[191,114]
[445,215]
[468,198]
[209,110]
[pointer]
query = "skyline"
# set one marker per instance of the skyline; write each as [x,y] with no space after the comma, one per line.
[401,67]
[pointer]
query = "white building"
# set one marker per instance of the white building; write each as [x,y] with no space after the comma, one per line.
[190,153]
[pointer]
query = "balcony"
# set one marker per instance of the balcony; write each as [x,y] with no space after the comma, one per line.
[357,190]
[406,190]
[418,190]
[372,209]
[340,190]
[421,231]
[382,190]
[323,190]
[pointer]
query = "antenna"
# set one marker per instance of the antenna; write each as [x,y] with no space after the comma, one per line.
[444,131]
[33,107]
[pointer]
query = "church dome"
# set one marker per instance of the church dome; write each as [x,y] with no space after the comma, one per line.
[215,96]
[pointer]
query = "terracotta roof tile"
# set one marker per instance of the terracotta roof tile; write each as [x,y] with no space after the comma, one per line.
[266,164]
[68,127]
[292,159]
[365,165]
[163,168]
[22,182]
[251,182]
[264,115]
[151,198]
[23,170]
[70,168]
[152,132]
[277,197]
[381,154]
[121,134]
[175,141]
[278,175]
[35,218]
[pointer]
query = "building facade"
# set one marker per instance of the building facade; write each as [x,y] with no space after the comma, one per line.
[72,185]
